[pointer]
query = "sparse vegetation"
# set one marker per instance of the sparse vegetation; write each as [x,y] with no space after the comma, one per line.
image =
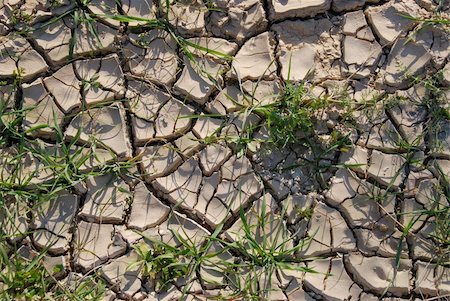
[290,117]
[161,264]
[267,249]
[249,257]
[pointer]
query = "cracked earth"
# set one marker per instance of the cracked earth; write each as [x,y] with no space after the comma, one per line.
[135,95]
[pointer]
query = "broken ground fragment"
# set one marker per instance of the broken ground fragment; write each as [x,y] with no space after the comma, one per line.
[409,218]
[371,215]
[388,21]
[287,170]
[349,5]
[217,199]
[239,125]
[18,58]
[380,275]
[58,156]
[143,130]
[200,78]
[69,97]
[267,228]
[354,22]
[156,114]
[42,114]
[181,186]
[355,25]
[188,144]
[145,99]
[29,12]
[206,201]
[406,60]
[423,245]
[188,16]
[440,169]
[280,9]
[213,270]
[343,186]
[360,55]
[332,281]
[356,159]
[262,93]
[159,160]
[146,210]
[101,79]
[104,127]
[13,215]
[55,39]
[87,83]
[188,230]
[202,73]
[432,280]
[388,170]
[173,119]
[439,139]
[103,8]
[255,60]
[446,75]
[298,209]
[328,232]
[372,115]
[219,50]
[56,266]
[140,9]
[435,40]
[22,168]
[364,93]
[383,240]
[408,118]
[124,277]
[94,244]
[89,284]
[236,167]
[206,127]
[52,221]
[385,137]
[307,48]
[8,94]
[237,20]
[106,199]
[294,291]
[86,42]
[169,294]
[431,195]
[415,177]
[367,207]
[152,56]
[212,157]
[228,100]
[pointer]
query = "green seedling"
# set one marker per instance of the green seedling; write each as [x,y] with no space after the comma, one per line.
[162,264]
[268,252]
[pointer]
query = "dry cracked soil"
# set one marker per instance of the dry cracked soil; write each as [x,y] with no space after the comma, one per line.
[360,222]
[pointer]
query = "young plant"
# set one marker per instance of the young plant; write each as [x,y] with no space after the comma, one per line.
[291,114]
[266,247]
[162,264]
[21,278]
[166,264]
